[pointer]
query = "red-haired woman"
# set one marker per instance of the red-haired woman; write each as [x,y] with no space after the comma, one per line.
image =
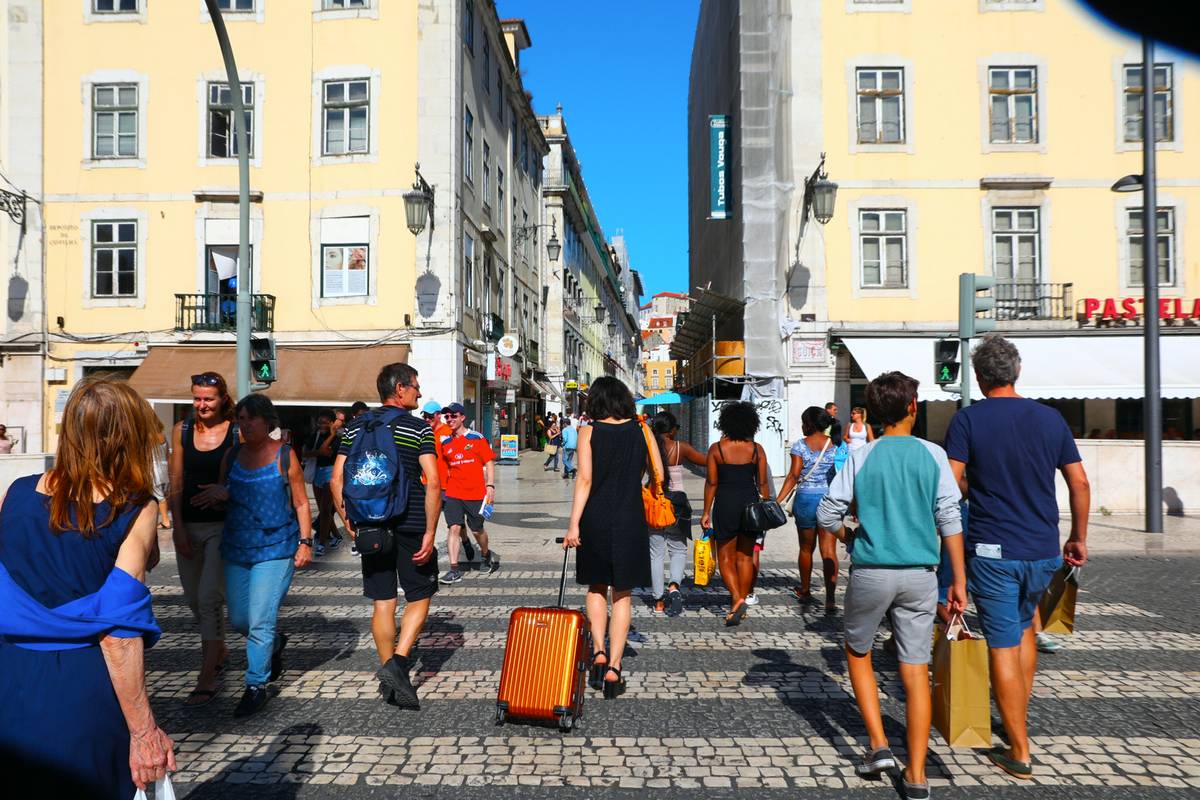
[198,445]
[74,548]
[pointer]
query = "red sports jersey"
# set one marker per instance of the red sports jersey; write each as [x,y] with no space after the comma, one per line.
[463,458]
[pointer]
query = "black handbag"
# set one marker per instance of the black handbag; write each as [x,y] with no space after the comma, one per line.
[373,540]
[764,514]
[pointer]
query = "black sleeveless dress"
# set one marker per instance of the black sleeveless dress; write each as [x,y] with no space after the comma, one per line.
[614,547]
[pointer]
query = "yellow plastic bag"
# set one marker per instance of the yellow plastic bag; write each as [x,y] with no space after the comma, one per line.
[1058,601]
[705,561]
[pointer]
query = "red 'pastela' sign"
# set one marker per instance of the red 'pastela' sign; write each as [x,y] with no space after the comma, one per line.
[1131,307]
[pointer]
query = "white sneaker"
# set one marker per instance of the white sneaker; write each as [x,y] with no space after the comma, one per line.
[751,600]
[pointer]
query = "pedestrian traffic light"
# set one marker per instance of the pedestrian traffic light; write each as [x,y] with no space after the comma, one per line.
[945,361]
[970,304]
[262,359]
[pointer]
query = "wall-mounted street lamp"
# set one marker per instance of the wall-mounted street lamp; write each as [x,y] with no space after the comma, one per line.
[418,204]
[1130,183]
[553,247]
[820,193]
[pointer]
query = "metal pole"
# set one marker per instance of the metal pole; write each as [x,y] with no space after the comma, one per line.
[1152,404]
[243,154]
[964,372]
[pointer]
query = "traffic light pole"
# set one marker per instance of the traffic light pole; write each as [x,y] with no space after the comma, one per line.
[243,156]
[1152,405]
[964,372]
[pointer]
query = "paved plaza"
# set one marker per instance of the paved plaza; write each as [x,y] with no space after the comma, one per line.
[761,710]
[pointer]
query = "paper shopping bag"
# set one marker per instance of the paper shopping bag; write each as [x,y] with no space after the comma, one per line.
[705,562]
[1058,602]
[961,687]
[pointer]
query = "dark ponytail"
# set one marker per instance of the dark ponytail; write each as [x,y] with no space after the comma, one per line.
[661,424]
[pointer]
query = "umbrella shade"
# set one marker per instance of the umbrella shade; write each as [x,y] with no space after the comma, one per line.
[665,399]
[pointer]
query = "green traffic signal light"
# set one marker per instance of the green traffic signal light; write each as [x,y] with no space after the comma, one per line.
[945,361]
[944,373]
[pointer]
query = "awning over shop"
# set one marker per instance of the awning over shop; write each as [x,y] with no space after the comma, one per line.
[546,389]
[310,375]
[1087,366]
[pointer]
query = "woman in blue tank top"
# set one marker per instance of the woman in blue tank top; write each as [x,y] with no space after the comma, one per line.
[267,536]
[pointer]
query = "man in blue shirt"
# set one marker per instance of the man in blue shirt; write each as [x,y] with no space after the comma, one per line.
[570,442]
[1004,452]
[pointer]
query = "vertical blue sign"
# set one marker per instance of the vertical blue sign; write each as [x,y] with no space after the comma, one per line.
[718,130]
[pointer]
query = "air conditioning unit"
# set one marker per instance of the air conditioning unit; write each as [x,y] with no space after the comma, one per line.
[487,233]
[56,374]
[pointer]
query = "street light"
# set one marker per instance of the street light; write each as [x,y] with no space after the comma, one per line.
[820,193]
[1130,183]
[418,204]
[553,247]
[521,233]
[599,312]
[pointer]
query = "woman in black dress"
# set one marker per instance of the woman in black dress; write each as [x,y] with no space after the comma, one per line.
[608,524]
[737,477]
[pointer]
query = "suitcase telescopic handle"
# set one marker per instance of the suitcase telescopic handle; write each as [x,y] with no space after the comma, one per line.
[562,583]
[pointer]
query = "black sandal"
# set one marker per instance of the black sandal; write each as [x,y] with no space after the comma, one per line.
[205,696]
[613,689]
[596,679]
[736,616]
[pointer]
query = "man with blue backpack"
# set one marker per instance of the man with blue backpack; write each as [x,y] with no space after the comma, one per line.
[378,492]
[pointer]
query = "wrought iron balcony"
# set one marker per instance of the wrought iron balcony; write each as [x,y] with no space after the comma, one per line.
[1020,300]
[491,327]
[212,311]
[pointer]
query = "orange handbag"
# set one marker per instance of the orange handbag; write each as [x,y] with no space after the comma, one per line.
[660,511]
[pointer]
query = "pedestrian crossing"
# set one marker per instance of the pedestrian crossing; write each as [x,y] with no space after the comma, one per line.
[765,706]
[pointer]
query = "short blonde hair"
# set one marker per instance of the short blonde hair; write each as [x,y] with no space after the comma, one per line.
[862,412]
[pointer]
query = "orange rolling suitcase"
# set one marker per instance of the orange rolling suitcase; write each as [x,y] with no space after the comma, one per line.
[545,663]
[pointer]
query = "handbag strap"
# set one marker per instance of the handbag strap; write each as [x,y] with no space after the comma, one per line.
[649,455]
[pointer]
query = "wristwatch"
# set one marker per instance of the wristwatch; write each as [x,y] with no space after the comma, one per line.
[308,542]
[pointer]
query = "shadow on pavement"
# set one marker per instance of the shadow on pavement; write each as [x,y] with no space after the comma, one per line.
[226,786]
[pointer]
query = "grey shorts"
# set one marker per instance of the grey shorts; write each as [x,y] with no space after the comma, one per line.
[910,594]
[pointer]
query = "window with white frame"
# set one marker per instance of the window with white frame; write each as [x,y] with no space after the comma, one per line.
[1135,102]
[468,271]
[347,106]
[1016,244]
[332,5]
[880,105]
[1165,234]
[487,284]
[221,141]
[114,258]
[487,67]
[345,256]
[500,197]
[487,176]
[114,6]
[468,146]
[469,25]
[1012,100]
[236,6]
[115,120]
[883,243]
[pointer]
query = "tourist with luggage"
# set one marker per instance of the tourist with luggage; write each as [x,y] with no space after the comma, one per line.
[737,477]
[388,493]
[198,446]
[813,458]
[266,537]
[608,523]
[1005,451]
[468,468]
[672,541]
[906,496]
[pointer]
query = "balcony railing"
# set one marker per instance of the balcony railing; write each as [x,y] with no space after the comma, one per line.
[491,327]
[1018,300]
[218,312]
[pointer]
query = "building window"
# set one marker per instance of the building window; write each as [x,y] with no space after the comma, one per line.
[487,67]
[487,175]
[487,285]
[344,270]
[469,26]
[524,149]
[236,6]
[1166,246]
[347,109]
[500,195]
[115,120]
[1135,99]
[468,271]
[1016,244]
[468,146]
[500,96]
[115,6]
[114,258]
[221,141]
[880,106]
[1012,94]
[884,247]
[330,5]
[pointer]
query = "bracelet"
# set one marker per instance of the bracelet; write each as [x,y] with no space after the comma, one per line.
[491,486]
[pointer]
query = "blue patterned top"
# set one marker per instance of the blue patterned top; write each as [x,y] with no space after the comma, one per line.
[260,521]
[817,480]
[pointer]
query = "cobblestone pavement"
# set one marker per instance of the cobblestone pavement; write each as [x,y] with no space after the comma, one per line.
[763,710]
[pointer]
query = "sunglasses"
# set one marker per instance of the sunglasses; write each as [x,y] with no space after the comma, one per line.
[206,379]
[454,414]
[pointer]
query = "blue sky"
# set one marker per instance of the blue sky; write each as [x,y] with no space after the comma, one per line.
[620,70]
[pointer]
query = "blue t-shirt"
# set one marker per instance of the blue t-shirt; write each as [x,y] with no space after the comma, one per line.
[570,438]
[1012,447]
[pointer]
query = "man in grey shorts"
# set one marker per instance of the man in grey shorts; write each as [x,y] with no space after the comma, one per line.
[905,495]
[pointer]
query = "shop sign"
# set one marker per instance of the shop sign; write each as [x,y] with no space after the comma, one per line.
[510,396]
[501,372]
[718,127]
[809,351]
[508,446]
[570,385]
[1131,308]
[508,345]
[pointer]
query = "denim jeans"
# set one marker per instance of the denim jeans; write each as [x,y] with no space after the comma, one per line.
[568,456]
[552,460]
[253,593]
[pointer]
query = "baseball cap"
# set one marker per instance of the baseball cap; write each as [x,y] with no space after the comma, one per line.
[432,407]
[455,408]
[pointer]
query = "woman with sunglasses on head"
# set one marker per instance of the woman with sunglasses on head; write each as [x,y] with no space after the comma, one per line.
[198,444]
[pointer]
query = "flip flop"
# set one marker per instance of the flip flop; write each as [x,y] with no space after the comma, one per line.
[736,616]
[205,696]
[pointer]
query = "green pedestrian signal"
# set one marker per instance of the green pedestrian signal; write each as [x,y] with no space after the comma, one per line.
[262,359]
[945,362]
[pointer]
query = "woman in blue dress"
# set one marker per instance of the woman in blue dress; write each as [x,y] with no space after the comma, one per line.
[75,544]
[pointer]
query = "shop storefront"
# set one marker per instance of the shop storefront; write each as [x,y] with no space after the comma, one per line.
[503,379]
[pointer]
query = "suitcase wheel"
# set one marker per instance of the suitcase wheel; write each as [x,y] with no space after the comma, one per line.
[501,716]
[566,722]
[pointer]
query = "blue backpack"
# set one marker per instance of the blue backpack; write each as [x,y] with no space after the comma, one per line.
[375,485]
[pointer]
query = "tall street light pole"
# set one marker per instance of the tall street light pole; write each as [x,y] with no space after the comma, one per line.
[243,156]
[1152,405]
